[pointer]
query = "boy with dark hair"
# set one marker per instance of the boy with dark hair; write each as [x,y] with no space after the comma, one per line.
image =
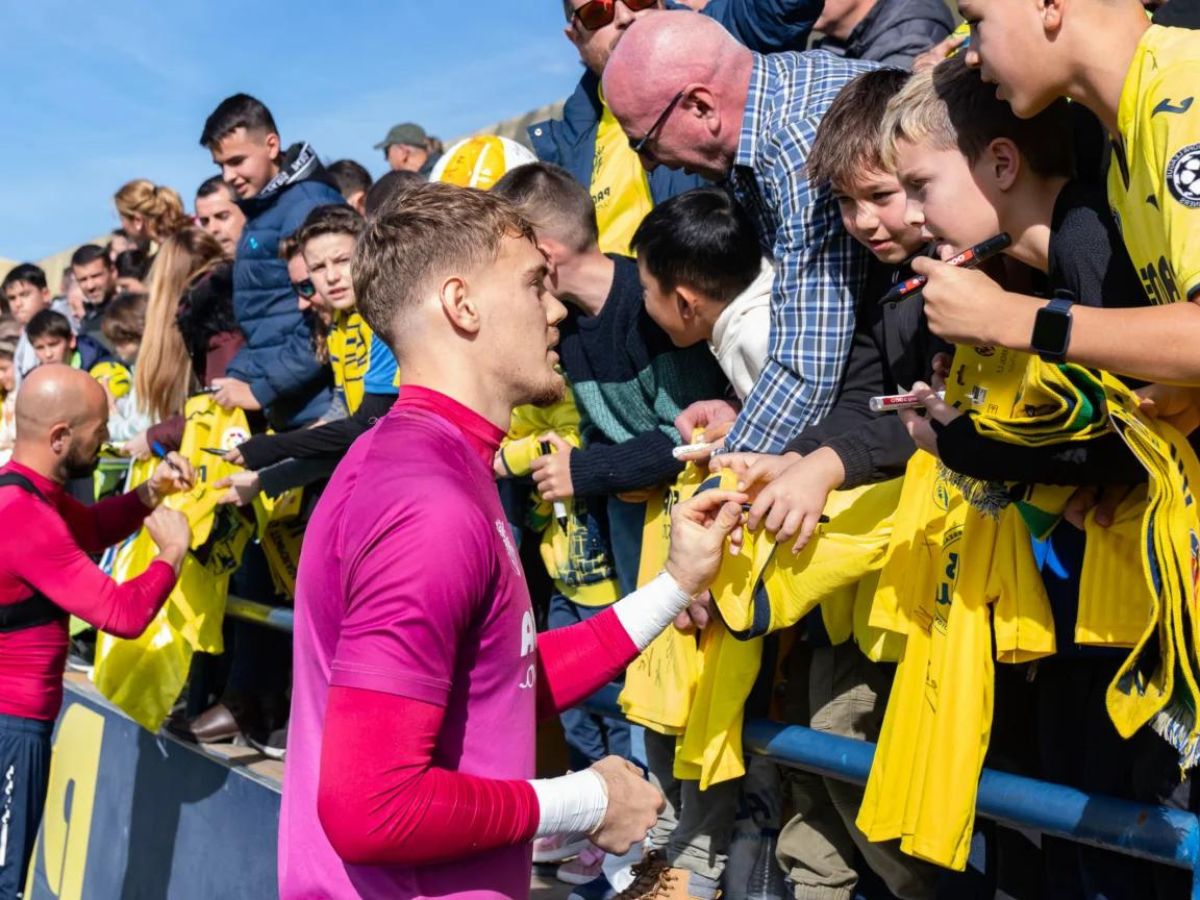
[97,277]
[217,213]
[27,294]
[275,369]
[705,279]
[836,688]
[54,342]
[353,180]
[388,187]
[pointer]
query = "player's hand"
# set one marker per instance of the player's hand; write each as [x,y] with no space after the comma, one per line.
[138,446]
[938,52]
[1177,406]
[792,504]
[754,468]
[699,527]
[552,472]
[172,475]
[171,533]
[241,488]
[234,394]
[961,305]
[633,806]
[706,415]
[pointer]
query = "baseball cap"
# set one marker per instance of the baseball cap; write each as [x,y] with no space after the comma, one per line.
[408,133]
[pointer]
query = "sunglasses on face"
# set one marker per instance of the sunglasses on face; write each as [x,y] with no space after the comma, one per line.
[637,145]
[305,288]
[595,14]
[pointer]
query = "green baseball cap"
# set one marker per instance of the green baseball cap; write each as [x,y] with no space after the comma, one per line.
[408,133]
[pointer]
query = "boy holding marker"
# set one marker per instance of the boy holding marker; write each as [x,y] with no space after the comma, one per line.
[1140,81]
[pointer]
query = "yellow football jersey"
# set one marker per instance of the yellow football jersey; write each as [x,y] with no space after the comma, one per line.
[620,188]
[1154,179]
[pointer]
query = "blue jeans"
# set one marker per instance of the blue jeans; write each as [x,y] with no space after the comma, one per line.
[589,738]
[626,521]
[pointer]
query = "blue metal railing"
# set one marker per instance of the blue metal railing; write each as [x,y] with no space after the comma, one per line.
[1155,833]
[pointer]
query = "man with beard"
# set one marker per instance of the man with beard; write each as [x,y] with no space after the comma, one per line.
[46,576]
[419,674]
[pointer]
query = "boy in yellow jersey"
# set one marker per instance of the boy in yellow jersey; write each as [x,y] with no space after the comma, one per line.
[1141,81]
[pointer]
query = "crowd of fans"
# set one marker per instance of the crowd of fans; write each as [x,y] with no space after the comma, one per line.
[733,226]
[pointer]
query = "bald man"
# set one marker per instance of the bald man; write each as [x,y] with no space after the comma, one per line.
[691,97]
[46,576]
[588,142]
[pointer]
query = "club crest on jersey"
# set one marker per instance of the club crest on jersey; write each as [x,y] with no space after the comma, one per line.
[1183,176]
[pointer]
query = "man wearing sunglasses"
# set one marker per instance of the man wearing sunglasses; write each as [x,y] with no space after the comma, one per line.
[588,142]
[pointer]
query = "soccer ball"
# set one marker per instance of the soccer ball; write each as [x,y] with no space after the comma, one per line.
[480,161]
[1183,176]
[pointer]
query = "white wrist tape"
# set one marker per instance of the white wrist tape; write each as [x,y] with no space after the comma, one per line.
[570,804]
[648,610]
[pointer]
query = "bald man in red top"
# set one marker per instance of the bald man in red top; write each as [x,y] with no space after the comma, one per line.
[46,576]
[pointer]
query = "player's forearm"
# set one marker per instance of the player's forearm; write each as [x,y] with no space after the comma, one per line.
[382,801]
[1153,343]
[575,662]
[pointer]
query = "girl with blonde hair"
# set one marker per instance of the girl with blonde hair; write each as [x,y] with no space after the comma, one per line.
[150,211]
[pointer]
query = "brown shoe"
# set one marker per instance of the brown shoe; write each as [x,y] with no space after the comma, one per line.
[653,879]
[213,726]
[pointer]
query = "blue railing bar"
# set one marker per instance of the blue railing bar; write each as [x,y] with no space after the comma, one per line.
[279,617]
[1151,832]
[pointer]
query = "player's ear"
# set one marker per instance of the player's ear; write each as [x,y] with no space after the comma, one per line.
[1052,15]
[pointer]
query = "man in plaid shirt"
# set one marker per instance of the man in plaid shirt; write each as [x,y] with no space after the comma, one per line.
[691,97]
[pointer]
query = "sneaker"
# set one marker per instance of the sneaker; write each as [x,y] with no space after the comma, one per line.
[273,746]
[596,889]
[587,866]
[559,847]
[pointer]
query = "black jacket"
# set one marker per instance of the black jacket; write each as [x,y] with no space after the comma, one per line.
[892,347]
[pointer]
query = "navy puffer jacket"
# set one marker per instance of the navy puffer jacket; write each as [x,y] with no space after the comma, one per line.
[277,360]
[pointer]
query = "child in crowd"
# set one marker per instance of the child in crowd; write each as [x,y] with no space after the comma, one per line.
[1080,51]
[277,188]
[53,341]
[8,397]
[123,326]
[836,688]
[353,180]
[27,294]
[364,368]
[132,268]
[705,282]
[971,169]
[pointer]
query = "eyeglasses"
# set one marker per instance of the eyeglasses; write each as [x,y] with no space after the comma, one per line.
[305,288]
[595,14]
[637,145]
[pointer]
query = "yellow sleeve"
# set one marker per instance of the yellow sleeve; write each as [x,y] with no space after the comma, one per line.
[1174,155]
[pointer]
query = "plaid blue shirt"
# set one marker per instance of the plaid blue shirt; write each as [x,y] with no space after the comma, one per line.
[820,269]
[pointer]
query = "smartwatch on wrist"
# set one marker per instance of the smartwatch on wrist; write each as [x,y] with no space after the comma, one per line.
[1052,328]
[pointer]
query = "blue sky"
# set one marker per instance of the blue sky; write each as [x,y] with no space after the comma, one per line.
[97,94]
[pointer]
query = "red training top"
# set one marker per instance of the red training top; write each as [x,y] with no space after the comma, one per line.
[45,548]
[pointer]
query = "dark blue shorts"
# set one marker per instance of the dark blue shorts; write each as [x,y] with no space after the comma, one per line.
[24,777]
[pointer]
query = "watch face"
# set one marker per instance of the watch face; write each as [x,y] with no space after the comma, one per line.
[1050,331]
